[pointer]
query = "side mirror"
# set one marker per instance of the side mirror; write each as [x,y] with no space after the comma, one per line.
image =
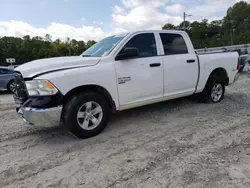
[127,53]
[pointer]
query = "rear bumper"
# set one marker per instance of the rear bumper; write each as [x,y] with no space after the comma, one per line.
[46,117]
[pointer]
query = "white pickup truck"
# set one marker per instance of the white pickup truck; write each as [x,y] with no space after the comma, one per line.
[118,73]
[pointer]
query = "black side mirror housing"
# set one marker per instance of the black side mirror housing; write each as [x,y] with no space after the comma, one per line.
[127,53]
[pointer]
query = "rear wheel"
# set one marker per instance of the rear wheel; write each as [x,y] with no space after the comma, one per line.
[217,92]
[86,114]
[11,86]
[214,91]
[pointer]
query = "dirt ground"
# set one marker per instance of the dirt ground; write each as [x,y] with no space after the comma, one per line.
[180,143]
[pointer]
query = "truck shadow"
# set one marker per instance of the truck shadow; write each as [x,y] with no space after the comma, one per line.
[4,92]
[150,111]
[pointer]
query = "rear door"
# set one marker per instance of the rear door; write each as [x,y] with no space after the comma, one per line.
[180,65]
[140,79]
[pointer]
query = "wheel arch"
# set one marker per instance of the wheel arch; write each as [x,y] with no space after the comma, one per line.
[94,88]
[221,74]
[218,74]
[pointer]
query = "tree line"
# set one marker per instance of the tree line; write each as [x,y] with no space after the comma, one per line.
[234,28]
[27,49]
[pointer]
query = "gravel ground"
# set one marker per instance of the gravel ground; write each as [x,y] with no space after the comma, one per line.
[180,143]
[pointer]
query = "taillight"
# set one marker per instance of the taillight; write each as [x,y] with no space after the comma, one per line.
[238,65]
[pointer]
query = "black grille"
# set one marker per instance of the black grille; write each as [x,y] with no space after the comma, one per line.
[20,91]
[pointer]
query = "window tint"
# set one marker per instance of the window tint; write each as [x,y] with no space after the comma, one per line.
[5,71]
[173,44]
[145,43]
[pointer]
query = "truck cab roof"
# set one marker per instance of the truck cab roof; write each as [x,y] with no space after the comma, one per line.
[152,31]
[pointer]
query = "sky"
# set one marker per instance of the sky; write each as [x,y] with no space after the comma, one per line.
[95,19]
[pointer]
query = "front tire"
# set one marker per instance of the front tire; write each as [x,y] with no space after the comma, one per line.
[86,114]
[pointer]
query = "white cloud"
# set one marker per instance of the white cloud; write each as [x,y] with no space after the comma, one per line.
[175,9]
[118,30]
[210,9]
[149,14]
[248,1]
[142,14]
[130,15]
[118,10]
[136,3]
[56,30]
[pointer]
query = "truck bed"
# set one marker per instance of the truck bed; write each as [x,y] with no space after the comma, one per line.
[211,61]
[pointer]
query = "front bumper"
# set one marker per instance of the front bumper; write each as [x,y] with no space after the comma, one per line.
[42,111]
[41,117]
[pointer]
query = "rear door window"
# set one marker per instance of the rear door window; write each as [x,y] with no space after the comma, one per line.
[173,44]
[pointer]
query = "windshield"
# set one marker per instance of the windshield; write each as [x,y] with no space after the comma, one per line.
[103,47]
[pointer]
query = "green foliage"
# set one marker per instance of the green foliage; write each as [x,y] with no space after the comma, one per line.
[169,26]
[234,28]
[27,49]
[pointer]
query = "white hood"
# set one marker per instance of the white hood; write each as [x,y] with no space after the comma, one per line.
[33,68]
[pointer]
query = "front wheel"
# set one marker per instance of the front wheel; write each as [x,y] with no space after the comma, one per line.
[86,114]
[214,91]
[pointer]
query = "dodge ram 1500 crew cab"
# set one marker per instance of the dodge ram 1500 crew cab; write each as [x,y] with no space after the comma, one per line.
[119,72]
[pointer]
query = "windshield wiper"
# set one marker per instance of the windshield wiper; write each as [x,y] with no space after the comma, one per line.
[86,55]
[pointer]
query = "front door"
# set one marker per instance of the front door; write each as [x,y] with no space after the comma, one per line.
[140,79]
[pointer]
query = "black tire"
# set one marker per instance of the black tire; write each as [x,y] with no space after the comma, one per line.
[206,95]
[11,87]
[70,119]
